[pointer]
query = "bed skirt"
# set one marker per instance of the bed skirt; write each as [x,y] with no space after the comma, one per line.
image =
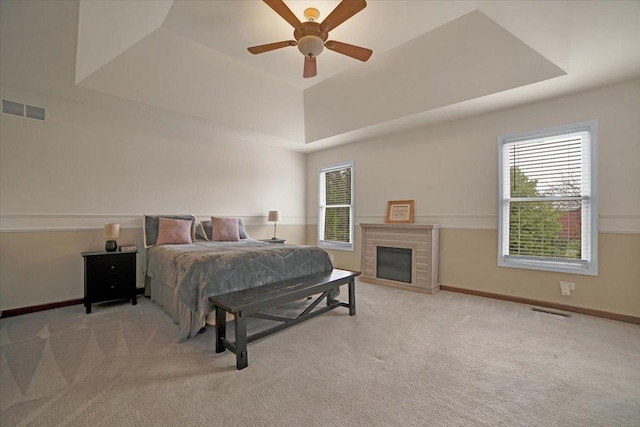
[165,296]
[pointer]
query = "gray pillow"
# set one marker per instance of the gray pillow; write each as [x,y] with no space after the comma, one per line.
[200,233]
[209,232]
[152,225]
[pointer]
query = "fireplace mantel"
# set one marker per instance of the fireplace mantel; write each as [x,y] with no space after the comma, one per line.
[422,239]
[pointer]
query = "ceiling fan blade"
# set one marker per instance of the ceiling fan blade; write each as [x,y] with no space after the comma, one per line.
[310,69]
[271,46]
[356,52]
[282,10]
[343,11]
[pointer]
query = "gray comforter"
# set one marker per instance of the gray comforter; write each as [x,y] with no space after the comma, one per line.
[203,269]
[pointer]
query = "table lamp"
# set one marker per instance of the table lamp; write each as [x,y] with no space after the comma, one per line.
[275,217]
[111,232]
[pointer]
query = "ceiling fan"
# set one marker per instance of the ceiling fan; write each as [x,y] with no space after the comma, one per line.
[311,36]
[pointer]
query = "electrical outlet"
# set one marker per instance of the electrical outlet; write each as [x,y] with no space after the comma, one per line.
[567,287]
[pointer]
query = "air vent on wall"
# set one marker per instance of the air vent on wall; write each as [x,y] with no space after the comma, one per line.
[24,110]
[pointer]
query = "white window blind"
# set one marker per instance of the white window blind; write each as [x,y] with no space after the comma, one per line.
[547,200]
[335,225]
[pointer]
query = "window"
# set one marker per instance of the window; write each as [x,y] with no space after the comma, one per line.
[335,219]
[547,213]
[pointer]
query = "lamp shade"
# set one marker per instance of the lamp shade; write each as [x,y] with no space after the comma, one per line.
[112,231]
[310,45]
[274,216]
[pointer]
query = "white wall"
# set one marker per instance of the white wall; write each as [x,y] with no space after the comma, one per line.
[89,160]
[101,158]
[89,165]
[450,170]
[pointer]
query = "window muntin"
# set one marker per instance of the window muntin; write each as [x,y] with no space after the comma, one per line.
[547,212]
[335,218]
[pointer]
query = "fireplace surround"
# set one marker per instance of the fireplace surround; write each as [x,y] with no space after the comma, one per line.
[420,240]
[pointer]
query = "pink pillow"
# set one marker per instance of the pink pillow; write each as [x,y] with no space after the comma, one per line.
[174,231]
[225,229]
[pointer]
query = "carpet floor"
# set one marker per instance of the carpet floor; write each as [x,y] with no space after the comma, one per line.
[405,359]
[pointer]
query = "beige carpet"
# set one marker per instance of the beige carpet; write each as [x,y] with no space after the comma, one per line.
[406,359]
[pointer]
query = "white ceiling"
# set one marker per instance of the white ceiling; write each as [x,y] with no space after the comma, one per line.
[432,60]
[230,27]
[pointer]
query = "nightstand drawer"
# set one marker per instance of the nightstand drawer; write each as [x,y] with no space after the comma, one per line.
[111,268]
[112,290]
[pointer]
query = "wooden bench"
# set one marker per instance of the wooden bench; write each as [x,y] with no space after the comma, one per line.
[250,303]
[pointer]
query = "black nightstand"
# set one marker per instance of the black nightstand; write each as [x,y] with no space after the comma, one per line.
[281,241]
[109,276]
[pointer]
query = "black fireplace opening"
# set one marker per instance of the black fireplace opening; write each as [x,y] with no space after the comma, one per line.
[394,264]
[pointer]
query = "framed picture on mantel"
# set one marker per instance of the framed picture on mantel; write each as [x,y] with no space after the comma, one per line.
[399,212]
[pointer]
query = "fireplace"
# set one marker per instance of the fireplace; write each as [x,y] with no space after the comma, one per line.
[401,255]
[394,264]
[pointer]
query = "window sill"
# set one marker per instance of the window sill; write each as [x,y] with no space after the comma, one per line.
[556,267]
[336,247]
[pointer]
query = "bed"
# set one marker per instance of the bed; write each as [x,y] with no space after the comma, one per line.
[181,277]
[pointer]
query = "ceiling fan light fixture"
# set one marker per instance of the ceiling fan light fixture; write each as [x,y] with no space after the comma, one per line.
[312,14]
[310,36]
[310,45]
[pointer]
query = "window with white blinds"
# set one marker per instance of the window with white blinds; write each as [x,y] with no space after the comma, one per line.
[547,201]
[335,218]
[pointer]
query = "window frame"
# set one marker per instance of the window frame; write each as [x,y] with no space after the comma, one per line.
[584,267]
[340,246]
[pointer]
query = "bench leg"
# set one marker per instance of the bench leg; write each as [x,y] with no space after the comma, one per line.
[352,297]
[330,298]
[241,340]
[221,328]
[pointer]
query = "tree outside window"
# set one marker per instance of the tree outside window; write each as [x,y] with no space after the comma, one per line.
[547,212]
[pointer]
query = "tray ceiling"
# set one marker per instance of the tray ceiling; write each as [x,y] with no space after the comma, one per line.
[432,61]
